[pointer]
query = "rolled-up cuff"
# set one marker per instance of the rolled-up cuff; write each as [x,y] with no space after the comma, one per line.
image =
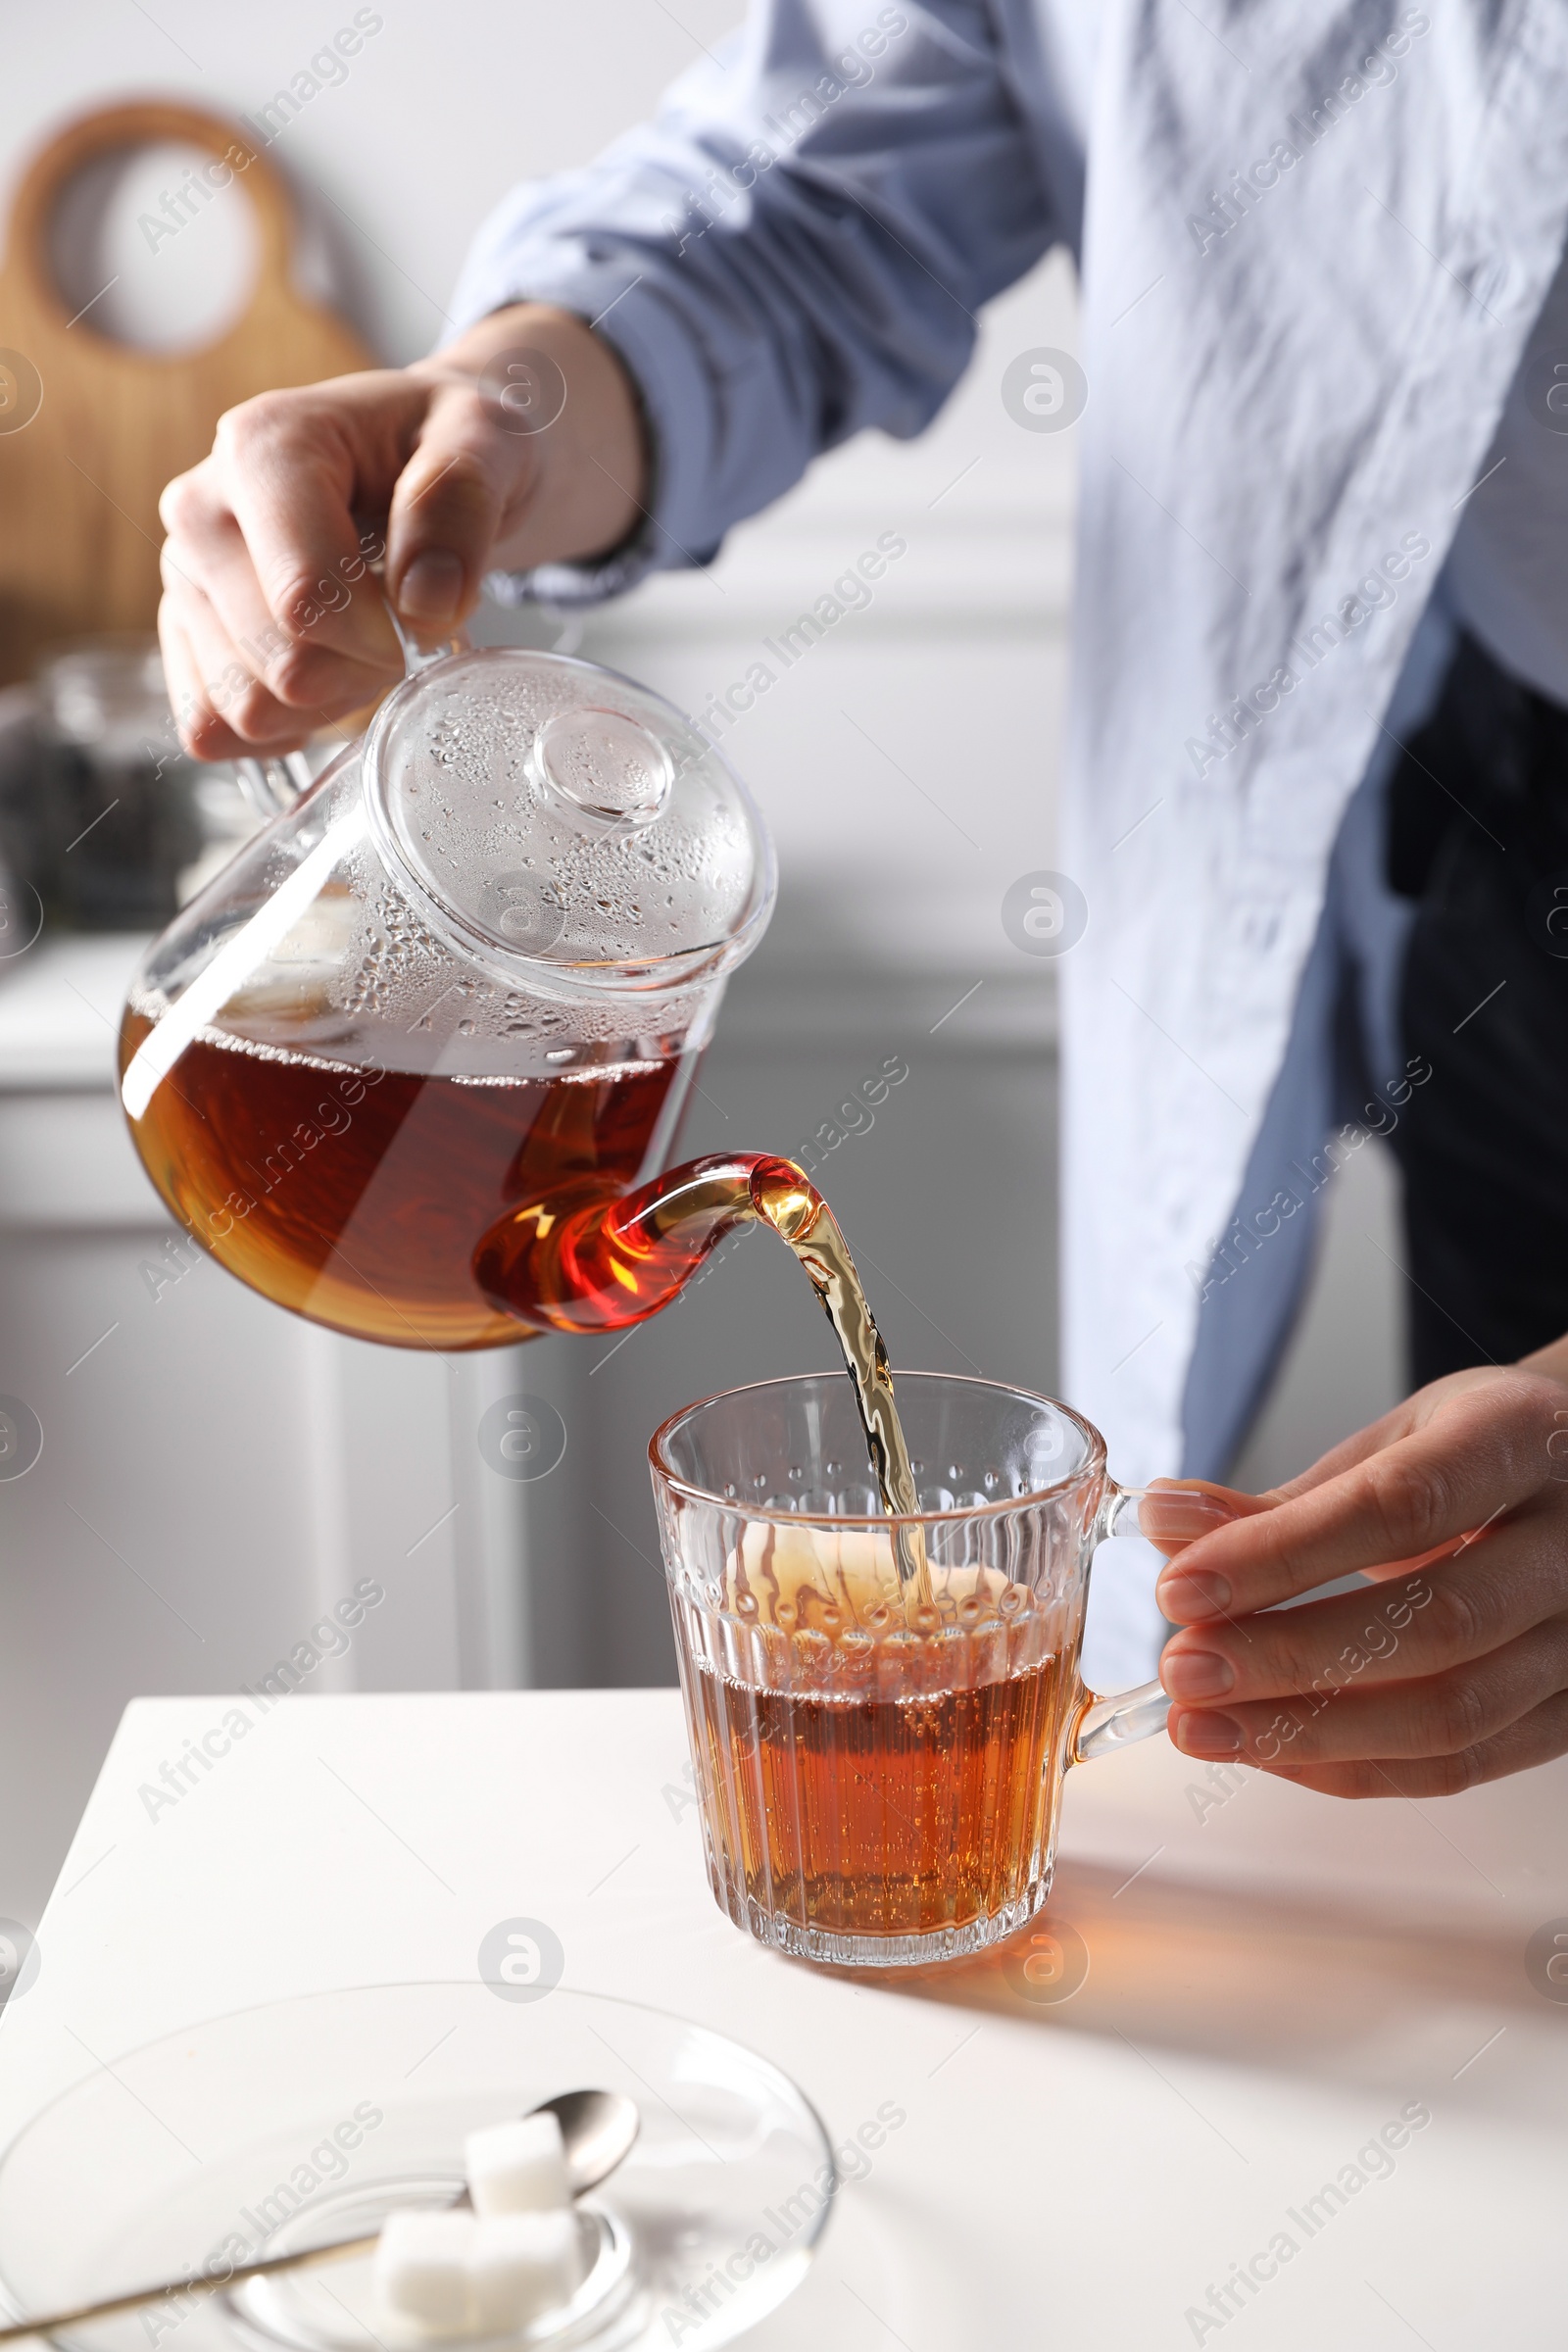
[621,303]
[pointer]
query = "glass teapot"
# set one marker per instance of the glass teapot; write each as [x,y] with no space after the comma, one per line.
[456,988]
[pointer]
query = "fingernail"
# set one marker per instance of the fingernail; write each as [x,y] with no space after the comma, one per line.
[1207,1734]
[1197,1673]
[1188,1599]
[1182,1514]
[432,586]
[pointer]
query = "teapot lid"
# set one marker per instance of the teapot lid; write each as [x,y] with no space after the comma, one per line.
[562,825]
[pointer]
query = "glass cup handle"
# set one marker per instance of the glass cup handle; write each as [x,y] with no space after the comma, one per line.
[1185,1513]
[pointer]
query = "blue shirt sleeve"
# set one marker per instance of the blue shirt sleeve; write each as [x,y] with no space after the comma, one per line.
[792,250]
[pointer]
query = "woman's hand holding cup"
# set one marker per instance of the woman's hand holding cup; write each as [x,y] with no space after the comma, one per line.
[1451,1667]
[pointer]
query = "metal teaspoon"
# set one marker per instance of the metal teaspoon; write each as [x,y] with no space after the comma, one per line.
[597,2131]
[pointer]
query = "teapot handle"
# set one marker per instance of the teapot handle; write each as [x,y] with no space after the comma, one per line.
[416,657]
[273,786]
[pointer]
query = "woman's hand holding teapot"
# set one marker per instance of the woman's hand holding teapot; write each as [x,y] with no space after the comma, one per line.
[520,443]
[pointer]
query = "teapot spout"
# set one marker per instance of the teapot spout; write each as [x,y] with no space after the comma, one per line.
[590,1260]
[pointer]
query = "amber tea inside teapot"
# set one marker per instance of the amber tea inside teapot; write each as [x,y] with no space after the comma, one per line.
[470,971]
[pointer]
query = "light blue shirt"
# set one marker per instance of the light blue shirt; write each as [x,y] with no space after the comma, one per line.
[797,245]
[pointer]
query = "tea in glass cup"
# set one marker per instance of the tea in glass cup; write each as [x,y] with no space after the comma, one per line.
[879,1768]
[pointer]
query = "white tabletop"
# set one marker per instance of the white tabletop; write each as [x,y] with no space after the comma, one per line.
[1281,1977]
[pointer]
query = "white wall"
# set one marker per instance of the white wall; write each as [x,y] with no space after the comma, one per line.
[441,112]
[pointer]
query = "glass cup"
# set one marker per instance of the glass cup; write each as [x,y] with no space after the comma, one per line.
[880,1768]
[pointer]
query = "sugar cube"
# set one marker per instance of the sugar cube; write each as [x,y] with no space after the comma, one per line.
[516,2167]
[522,2264]
[424,2269]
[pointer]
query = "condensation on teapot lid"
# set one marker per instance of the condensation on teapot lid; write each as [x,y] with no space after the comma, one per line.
[556,819]
[599,761]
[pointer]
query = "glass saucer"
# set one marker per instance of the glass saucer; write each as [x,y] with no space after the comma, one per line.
[306,2119]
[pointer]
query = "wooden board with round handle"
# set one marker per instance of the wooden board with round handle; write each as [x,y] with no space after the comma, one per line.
[91,429]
